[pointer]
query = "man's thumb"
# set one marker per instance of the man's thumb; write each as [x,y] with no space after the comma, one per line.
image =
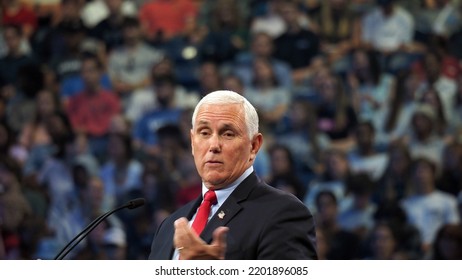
[219,240]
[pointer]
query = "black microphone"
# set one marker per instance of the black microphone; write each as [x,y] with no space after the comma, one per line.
[132,204]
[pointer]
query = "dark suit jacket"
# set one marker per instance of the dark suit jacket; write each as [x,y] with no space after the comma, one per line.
[264,223]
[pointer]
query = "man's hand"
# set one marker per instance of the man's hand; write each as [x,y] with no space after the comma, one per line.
[191,247]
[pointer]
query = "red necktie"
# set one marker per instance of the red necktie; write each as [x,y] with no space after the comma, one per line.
[204,211]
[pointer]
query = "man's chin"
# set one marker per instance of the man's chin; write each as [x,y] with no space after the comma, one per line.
[212,182]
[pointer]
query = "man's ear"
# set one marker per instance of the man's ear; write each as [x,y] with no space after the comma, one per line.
[256,144]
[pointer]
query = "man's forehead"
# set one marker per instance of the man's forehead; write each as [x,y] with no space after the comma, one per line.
[224,117]
[216,110]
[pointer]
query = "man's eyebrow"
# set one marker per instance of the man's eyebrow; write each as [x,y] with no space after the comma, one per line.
[228,126]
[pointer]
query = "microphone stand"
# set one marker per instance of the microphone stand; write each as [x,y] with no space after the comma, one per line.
[130,205]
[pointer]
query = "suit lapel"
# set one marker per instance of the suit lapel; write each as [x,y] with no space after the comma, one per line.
[230,208]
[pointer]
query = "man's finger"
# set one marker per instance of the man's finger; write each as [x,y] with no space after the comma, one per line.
[219,236]
[181,222]
[219,241]
[181,231]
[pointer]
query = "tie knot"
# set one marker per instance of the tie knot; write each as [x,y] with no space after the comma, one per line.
[211,197]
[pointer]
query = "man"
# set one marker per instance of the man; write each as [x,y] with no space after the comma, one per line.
[14,59]
[388,29]
[262,46]
[129,65]
[298,46]
[423,140]
[166,111]
[161,20]
[146,99]
[112,13]
[91,110]
[341,244]
[366,157]
[20,76]
[250,219]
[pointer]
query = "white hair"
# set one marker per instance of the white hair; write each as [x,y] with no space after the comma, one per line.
[226,97]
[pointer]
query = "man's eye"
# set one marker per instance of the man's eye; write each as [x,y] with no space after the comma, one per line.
[204,133]
[228,134]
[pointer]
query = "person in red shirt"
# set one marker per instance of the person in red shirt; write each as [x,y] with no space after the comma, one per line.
[92,110]
[16,13]
[163,19]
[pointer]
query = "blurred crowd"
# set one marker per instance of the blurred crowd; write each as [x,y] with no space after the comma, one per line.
[360,105]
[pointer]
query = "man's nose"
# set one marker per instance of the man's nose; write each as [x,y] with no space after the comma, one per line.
[215,144]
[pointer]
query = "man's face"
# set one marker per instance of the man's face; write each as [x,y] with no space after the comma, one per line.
[220,144]
[327,208]
[90,73]
[12,39]
[421,124]
[289,13]
[165,93]
[424,178]
[364,136]
[131,34]
[113,5]
[262,45]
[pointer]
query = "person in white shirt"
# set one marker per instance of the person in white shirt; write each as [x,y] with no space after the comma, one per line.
[387,27]
[366,158]
[429,209]
[389,30]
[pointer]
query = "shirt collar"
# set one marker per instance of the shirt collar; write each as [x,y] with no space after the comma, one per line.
[222,194]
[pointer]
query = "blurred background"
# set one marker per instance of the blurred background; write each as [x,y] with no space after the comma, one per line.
[360,104]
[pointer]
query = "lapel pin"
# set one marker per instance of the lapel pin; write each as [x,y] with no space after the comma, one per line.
[221,215]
